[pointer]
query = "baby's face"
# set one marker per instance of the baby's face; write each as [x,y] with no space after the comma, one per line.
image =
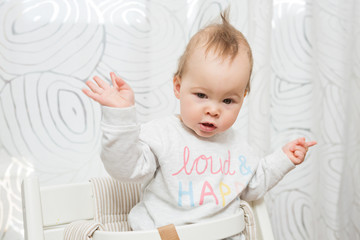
[211,91]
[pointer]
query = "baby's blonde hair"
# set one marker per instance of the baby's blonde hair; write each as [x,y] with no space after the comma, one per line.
[222,38]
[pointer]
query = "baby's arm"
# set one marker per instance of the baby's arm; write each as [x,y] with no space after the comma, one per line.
[119,95]
[124,155]
[126,151]
[272,168]
[296,150]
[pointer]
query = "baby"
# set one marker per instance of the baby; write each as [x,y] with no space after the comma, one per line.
[193,166]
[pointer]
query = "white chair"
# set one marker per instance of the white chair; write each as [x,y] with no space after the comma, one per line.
[47,210]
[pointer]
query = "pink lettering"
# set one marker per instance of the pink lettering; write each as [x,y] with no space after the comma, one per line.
[211,192]
[227,163]
[188,168]
[197,162]
[186,160]
[220,168]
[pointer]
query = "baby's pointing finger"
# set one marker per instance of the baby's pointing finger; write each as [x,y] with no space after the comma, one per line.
[311,143]
[300,148]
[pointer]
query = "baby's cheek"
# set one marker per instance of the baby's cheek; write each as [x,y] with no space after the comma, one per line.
[229,120]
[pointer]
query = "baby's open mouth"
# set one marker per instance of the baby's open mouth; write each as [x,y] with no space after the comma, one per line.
[208,124]
[207,127]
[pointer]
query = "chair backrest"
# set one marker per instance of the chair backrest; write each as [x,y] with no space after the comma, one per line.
[48,210]
[262,219]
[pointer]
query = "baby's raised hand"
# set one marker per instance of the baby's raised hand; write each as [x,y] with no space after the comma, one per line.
[297,149]
[118,95]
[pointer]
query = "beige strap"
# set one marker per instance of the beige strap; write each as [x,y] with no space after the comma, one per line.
[250,224]
[168,232]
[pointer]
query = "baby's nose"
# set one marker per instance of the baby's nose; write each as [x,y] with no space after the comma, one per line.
[213,111]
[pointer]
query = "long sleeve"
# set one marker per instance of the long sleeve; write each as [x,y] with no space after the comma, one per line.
[125,156]
[270,170]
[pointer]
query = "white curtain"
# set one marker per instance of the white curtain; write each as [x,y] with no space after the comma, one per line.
[306,82]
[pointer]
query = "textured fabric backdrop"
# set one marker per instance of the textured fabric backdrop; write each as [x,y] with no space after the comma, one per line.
[306,82]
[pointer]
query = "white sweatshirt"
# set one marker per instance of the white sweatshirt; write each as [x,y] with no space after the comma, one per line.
[186,178]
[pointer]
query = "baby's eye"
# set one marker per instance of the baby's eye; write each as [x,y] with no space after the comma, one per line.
[227,101]
[200,95]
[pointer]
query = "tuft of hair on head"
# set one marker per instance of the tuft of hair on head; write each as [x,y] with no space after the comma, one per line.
[221,38]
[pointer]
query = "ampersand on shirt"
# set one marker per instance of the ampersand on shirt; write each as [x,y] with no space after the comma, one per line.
[244,170]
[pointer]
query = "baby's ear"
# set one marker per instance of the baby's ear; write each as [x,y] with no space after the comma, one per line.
[177,85]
